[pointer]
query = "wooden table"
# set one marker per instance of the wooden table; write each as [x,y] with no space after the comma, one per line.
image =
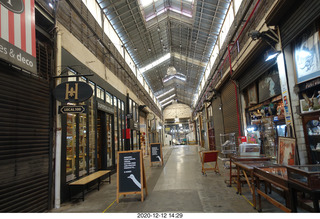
[247,168]
[278,177]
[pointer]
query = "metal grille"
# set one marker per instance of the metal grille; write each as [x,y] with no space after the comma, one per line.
[229,108]
[218,122]
[24,142]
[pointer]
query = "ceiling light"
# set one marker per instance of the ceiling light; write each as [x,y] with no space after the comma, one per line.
[163,101]
[271,55]
[167,103]
[155,63]
[165,93]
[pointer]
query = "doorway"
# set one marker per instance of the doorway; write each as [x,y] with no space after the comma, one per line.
[104,141]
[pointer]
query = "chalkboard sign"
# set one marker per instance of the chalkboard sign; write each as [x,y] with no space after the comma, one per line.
[130,173]
[156,153]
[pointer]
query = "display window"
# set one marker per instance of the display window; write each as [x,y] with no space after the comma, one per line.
[71,147]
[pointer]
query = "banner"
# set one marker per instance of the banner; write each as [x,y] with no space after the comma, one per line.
[17,33]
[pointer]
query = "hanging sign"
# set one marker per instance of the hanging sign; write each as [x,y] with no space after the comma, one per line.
[156,153]
[130,174]
[73,109]
[17,33]
[73,92]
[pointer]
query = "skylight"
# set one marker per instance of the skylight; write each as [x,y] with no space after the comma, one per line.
[155,63]
[146,3]
[183,7]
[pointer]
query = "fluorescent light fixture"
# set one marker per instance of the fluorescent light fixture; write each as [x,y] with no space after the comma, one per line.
[164,100]
[165,93]
[171,101]
[51,5]
[155,63]
[272,56]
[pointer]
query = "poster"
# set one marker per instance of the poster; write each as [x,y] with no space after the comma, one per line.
[286,151]
[306,56]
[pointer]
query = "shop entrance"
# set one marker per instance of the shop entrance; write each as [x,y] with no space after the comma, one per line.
[104,141]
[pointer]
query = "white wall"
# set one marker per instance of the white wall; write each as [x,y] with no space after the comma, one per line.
[177,109]
[79,51]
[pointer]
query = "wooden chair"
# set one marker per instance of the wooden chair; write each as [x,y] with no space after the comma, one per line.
[210,157]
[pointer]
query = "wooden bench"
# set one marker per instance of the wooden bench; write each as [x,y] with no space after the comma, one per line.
[83,182]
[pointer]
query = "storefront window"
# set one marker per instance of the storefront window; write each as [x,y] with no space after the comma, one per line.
[71,147]
[82,144]
[122,120]
[92,140]
[109,140]
[116,145]
[100,93]
[109,98]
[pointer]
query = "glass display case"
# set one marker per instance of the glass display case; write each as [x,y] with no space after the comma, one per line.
[305,175]
[311,125]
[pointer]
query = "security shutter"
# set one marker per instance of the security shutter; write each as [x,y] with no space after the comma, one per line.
[229,108]
[24,142]
[300,19]
[255,71]
[217,121]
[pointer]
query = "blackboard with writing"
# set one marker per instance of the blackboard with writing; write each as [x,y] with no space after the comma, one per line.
[130,173]
[155,153]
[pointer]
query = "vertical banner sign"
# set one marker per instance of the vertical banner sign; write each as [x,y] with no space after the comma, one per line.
[17,33]
[284,89]
[130,174]
[156,153]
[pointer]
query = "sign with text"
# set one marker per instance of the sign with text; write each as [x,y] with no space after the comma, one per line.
[156,153]
[73,92]
[72,109]
[130,173]
[17,33]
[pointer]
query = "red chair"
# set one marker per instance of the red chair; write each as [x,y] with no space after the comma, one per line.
[210,157]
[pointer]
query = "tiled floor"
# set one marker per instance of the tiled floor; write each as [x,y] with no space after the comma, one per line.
[177,186]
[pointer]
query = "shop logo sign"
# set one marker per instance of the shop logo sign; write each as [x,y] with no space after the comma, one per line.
[73,92]
[16,6]
[17,33]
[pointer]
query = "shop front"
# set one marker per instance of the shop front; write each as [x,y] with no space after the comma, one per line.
[91,138]
[264,112]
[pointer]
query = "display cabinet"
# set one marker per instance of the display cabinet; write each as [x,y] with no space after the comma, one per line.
[311,126]
[306,179]
[306,175]
[277,177]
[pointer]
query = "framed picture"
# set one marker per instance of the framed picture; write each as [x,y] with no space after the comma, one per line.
[306,56]
[252,95]
[305,108]
[286,151]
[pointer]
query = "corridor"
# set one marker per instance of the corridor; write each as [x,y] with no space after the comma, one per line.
[177,186]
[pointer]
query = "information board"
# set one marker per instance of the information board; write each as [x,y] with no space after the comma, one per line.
[156,153]
[130,173]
